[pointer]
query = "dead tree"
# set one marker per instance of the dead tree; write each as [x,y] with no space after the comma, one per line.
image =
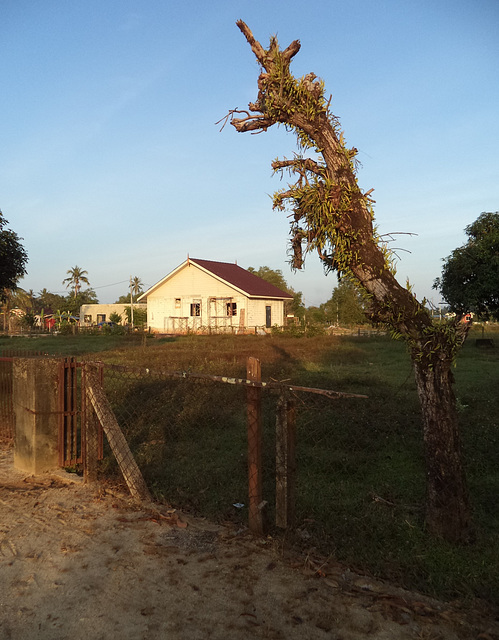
[330,214]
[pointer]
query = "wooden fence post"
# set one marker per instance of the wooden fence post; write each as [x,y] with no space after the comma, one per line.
[254,411]
[285,461]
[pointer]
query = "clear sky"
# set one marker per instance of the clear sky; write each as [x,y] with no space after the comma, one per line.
[111,159]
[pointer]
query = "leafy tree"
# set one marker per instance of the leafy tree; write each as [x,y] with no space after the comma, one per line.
[330,214]
[49,302]
[346,306]
[317,315]
[13,259]
[275,277]
[136,289]
[20,299]
[73,303]
[470,276]
[76,276]
[29,320]
[139,316]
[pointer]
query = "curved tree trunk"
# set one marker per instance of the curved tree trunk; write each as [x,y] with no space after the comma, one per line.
[330,214]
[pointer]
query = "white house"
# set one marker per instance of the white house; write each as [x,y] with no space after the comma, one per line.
[203,295]
[91,314]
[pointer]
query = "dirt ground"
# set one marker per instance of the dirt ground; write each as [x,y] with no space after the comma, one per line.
[84,562]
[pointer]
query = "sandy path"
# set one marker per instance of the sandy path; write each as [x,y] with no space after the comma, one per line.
[80,562]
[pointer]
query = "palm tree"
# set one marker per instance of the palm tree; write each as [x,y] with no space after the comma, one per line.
[136,285]
[135,288]
[76,275]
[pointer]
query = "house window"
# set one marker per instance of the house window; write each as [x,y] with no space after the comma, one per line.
[101,317]
[231,308]
[196,308]
[87,319]
[177,303]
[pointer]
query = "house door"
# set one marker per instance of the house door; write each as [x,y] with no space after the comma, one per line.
[268,317]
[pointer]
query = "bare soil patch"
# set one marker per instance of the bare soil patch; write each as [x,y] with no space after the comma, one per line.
[84,562]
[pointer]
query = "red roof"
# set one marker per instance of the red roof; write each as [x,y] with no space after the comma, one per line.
[242,279]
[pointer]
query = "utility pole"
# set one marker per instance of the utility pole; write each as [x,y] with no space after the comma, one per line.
[131,300]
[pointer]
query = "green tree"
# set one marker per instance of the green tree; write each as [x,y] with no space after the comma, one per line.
[72,303]
[331,215]
[76,276]
[316,315]
[139,316]
[135,290]
[346,306]
[48,301]
[13,259]
[275,277]
[20,299]
[470,275]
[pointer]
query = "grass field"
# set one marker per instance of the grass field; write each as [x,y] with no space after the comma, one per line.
[360,496]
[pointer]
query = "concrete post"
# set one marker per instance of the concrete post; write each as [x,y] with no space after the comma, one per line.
[35,397]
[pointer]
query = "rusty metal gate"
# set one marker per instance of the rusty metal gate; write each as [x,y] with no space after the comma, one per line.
[72,412]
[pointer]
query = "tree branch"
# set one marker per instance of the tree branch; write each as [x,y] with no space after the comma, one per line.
[301,165]
[256,47]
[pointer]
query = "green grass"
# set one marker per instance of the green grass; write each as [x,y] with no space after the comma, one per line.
[67,345]
[360,477]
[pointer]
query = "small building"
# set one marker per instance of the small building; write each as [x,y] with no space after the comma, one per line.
[92,314]
[205,296]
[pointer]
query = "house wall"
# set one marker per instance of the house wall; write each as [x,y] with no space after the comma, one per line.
[169,306]
[91,314]
[257,312]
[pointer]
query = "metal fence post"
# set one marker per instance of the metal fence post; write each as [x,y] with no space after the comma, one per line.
[285,461]
[254,410]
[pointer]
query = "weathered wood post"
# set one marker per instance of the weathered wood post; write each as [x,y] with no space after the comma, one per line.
[254,412]
[285,461]
[117,441]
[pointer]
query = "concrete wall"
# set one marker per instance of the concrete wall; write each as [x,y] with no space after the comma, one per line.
[90,314]
[35,398]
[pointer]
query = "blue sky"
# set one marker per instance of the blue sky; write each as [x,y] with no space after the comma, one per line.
[111,159]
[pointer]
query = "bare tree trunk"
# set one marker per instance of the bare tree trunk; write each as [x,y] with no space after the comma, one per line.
[447,502]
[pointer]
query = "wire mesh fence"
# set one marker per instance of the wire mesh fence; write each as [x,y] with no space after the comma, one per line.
[340,474]
[218,447]
[188,436]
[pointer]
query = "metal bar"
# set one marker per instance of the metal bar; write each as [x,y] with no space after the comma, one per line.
[228,380]
[60,411]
